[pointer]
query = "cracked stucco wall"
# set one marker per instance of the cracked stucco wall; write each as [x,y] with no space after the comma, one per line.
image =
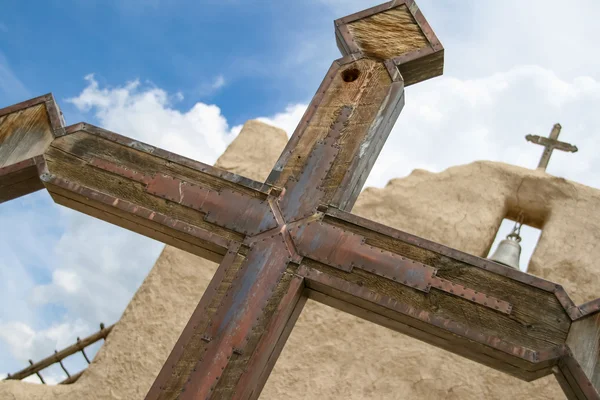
[332,355]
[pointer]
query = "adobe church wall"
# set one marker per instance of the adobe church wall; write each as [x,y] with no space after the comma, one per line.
[332,355]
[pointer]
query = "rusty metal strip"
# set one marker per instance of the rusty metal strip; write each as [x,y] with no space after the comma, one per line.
[136,210]
[303,194]
[345,250]
[393,71]
[240,213]
[237,315]
[591,307]
[199,314]
[346,43]
[225,208]
[576,377]
[434,42]
[326,244]
[565,301]
[284,319]
[466,258]
[471,295]
[57,121]
[427,317]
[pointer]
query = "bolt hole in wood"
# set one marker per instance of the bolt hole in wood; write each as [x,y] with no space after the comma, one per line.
[350,74]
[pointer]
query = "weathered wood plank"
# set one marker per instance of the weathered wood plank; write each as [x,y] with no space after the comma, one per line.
[26,130]
[202,248]
[20,179]
[584,343]
[372,100]
[193,342]
[501,352]
[112,147]
[395,31]
[75,171]
[446,341]
[525,339]
[24,134]
[246,373]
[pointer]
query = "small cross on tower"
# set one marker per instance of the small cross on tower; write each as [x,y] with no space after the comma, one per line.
[550,143]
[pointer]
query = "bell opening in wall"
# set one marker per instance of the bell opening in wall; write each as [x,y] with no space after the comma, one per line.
[514,244]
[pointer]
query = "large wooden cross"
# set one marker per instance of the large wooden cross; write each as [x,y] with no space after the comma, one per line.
[293,237]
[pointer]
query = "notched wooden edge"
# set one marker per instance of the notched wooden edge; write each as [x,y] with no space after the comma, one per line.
[472,260]
[347,45]
[166,155]
[574,312]
[540,360]
[26,185]
[572,379]
[57,123]
[343,34]
[586,309]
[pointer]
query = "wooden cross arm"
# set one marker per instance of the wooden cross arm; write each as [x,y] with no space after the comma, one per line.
[503,318]
[181,202]
[551,143]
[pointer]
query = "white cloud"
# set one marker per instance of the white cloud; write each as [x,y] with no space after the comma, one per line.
[449,121]
[483,37]
[146,113]
[26,343]
[219,82]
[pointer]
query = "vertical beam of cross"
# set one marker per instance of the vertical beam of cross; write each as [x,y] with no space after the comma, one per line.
[234,337]
[550,143]
[224,351]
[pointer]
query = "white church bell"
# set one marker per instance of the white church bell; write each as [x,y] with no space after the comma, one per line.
[509,249]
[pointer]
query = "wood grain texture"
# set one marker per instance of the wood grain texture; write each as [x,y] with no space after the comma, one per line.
[584,343]
[192,344]
[69,159]
[526,343]
[418,69]
[388,34]
[26,130]
[375,102]
[24,134]
[21,179]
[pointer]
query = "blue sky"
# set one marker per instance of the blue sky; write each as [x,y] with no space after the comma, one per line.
[185,75]
[180,46]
